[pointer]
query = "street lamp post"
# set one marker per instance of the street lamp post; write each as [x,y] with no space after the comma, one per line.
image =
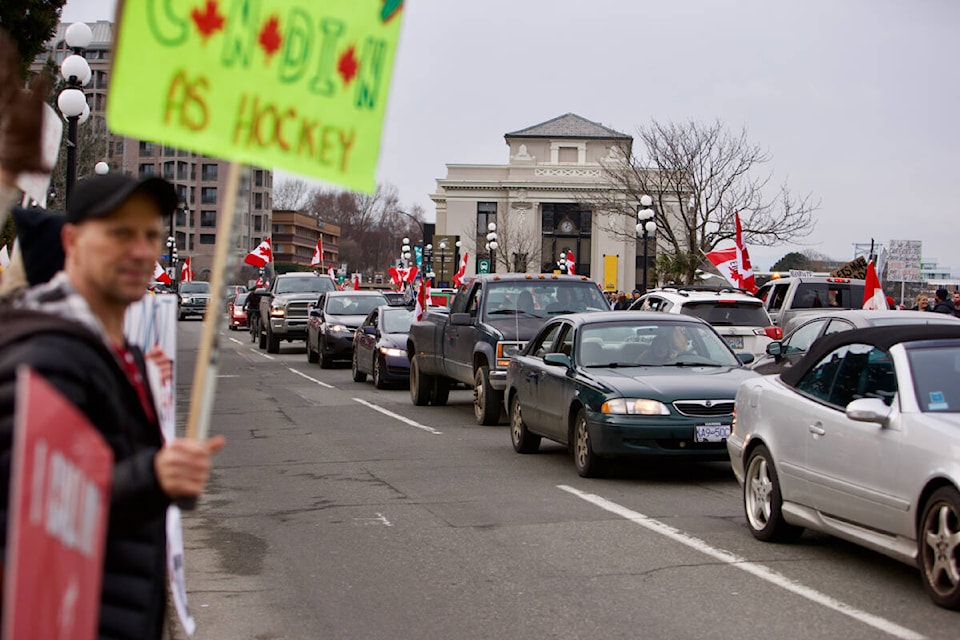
[492,245]
[71,101]
[646,227]
[562,262]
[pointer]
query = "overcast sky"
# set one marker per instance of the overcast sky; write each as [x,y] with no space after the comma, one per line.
[856,100]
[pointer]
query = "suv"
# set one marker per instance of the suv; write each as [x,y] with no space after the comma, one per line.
[738,316]
[193,299]
[785,298]
[283,307]
[334,320]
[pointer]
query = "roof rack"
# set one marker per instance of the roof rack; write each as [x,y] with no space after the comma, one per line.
[681,288]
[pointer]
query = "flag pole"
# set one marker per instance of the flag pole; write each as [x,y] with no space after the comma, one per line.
[208,359]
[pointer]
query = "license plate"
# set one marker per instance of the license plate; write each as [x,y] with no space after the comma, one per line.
[712,432]
[735,342]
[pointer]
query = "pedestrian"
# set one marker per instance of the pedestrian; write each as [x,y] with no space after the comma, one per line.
[70,331]
[943,303]
[956,303]
[623,303]
[923,303]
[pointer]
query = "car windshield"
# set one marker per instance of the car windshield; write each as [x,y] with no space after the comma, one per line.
[240,299]
[648,344]
[353,305]
[396,320]
[936,378]
[836,295]
[307,284]
[722,313]
[538,299]
[195,287]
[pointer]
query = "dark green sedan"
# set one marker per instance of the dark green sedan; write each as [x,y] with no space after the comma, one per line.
[624,383]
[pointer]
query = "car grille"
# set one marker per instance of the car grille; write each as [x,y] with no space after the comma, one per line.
[297,309]
[704,408]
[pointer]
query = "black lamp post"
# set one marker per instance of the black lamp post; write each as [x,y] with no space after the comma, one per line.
[646,227]
[71,101]
[492,245]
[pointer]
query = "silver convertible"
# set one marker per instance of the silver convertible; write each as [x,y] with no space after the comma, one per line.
[860,439]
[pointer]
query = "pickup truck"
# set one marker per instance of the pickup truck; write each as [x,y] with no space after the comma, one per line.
[490,319]
[283,308]
[786,299]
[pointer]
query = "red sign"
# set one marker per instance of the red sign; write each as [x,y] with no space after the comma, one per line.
[59,498]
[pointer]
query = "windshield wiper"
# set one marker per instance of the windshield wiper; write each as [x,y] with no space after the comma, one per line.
[694,364]
[512,312]
[556,313]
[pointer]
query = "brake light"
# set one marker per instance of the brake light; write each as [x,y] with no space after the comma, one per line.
[838,279]
[775,333]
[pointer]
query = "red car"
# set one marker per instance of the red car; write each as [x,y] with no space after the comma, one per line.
[236,314]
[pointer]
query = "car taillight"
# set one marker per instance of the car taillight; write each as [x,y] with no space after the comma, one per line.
[775,333]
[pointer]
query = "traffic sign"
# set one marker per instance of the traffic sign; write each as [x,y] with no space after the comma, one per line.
[483,266]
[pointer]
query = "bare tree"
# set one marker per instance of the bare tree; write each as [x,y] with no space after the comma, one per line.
[292,194]
[518,249]
[699,176]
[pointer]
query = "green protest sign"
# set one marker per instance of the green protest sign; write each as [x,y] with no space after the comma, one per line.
[298,85]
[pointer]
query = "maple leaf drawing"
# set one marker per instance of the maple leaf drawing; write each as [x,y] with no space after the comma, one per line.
[347,65]
[209,20]
[270,38]
[389,9]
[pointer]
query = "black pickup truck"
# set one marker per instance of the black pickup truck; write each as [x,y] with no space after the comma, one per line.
[490,320]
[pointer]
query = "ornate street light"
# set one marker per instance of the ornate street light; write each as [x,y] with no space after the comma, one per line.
[646,227]
[71,101]
[492,245]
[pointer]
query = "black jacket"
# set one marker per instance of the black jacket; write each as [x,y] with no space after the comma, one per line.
[944,306]
[83,369]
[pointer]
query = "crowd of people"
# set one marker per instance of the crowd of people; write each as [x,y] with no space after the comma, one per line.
[621,300]
[943,302]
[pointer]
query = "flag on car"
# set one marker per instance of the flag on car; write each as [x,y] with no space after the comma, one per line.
[331,273]
[458,276]
[356,282]
[873,296]
[571,263]
[747,281]
[160,275]
[261,256]
[423,300]
[186,273]
[259,283]
[318,256]
[4,258]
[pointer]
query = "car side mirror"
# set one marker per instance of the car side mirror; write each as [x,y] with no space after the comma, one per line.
[558,360]
[869,410]
[745,358]
[775,349]
[370,330]
[316,313]
[461,319]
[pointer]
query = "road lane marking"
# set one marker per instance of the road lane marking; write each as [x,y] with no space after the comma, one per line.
[303,375]
[235,340]
[758,570]
[399,417]
[268,357]
[380,519]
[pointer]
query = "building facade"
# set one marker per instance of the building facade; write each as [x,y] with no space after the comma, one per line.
[295,236]
[537,202]
[200,180]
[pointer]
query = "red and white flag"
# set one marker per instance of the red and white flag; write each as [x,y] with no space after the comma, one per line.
[747,281]
[873,296]
[160,275]
[261,256]
[4,257]
[571,263]
[186,273]
[331,273]
[318,256]
[734,263]
[458,276]
[400,276]
[356,282]
[259,283]
[423,300]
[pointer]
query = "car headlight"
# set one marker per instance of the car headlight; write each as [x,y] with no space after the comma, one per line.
[389,351]
[338,328]
[277,310]
[505,351]
[635,406]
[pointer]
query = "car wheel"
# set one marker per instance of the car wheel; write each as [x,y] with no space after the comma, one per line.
[441,391]
[486,399]
[420,384]
[939,541]
[763,502]
[588,464]
[523,440]
[358,376]
[324,361]
[378,380]
[312,356]
[273,343]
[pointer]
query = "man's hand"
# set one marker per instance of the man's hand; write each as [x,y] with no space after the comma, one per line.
[183,465]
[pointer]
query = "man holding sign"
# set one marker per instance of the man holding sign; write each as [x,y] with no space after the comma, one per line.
[70,331]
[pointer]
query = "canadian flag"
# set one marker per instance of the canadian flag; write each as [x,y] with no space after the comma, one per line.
[458,276]
[160,275]
[873,297]
[186,273]
[318,256]
[331,273]
[356,282]
[261,256]
[734,263]
[571,263]
[423,300]
[259,283]
[400,276]
[747,281]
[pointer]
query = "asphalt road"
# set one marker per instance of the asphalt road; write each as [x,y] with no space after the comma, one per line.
[338,511]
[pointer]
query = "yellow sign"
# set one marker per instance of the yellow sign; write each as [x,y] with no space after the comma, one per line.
[299,85]
[610,269]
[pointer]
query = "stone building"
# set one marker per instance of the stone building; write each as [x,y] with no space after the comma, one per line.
[295,237]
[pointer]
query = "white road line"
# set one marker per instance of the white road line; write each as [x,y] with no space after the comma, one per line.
[303,375]
[758,570]
[268,357]
[399,417]
[235,340]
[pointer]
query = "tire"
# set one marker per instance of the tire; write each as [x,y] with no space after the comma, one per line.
[939,547]
[262,343]
[441,391]
[486,400]
[763,502]
[523,441]
[273,342]
[588,464]
[358,376]
[312,356]
[420,384]
[377,368]
[324,361]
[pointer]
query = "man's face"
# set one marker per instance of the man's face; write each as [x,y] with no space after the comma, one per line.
[956,298]
[111,259]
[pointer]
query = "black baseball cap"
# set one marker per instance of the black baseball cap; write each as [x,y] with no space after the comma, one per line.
[98,196]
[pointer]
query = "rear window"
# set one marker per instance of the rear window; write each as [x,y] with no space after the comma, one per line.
[828,295]
[195,287]
[728,314]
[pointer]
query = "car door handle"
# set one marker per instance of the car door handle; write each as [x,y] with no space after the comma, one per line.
[817,430]
[532,375]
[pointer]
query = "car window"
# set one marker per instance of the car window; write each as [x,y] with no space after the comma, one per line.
[851,372]
[777,295]
[194,287]
[304,285]
[818,381]
[544,341]
[728,314]
[397,320]
[837,325]
[836,295]
[801,339]
[565,343]
[936,378]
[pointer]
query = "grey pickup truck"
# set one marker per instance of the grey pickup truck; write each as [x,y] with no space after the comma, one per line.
[491,318]
[283,308]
